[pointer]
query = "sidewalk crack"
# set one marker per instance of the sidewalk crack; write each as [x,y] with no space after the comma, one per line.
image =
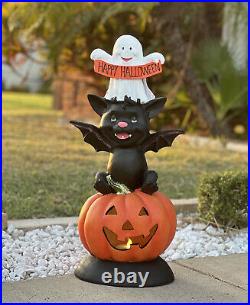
[208,274]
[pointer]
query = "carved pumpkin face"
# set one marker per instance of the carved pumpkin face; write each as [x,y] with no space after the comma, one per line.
[127,228]
[131,240]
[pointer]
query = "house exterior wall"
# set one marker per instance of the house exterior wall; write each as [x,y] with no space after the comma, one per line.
[28,74]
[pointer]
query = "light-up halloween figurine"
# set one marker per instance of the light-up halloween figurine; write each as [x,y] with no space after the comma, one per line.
[127,52]
[128,223]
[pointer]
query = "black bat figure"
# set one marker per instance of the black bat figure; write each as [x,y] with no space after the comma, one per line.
[124,133]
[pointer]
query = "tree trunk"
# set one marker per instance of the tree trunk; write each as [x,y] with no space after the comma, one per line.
[57,92]
[167,19]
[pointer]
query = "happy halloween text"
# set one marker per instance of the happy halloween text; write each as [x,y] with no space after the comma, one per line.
[127,72]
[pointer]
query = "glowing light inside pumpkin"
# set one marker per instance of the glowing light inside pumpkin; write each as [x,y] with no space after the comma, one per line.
[125,246]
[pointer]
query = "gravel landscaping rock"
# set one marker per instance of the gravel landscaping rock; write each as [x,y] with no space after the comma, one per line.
[56,250]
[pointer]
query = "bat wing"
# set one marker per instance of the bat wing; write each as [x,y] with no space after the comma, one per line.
[161,139]
[92,135]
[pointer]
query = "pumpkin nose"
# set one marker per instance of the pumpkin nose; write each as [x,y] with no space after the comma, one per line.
[127,226]
[122,124]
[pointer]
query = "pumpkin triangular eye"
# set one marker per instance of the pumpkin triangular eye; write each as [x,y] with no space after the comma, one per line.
[111,211]
[143,212]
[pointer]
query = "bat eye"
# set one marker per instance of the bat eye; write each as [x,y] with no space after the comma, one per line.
[113,118]
[134,119]
[130,48]
[122,48]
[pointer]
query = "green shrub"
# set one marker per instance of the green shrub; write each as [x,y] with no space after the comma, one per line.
[223,198]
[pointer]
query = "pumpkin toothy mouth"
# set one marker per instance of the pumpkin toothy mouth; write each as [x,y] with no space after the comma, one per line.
[126,244]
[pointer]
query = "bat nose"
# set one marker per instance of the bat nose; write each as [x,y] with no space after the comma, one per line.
[122,124]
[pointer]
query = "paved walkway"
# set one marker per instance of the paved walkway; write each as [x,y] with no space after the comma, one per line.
[211,279]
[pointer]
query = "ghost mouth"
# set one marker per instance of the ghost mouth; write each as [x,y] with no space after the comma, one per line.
[123,135]
[139,240]
[127,58]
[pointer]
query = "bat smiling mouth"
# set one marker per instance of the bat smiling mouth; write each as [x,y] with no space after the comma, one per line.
[126,244]
[127,58]
[123,135]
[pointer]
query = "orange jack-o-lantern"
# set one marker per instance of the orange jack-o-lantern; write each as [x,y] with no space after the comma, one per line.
[133,227]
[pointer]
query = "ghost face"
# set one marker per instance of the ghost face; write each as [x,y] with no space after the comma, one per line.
[127,51]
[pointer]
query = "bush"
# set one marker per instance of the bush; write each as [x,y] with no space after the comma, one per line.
[223,198]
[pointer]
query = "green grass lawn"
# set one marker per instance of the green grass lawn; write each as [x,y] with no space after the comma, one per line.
[49,171]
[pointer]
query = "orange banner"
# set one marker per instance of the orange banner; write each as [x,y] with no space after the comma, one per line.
[127,72]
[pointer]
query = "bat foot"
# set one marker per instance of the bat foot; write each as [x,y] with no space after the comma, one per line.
[149,188]
[150,182]
[101,184]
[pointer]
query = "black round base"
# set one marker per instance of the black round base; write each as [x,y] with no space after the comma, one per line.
[144,274]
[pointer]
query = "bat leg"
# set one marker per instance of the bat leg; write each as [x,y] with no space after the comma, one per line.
[101,184]
[149,185]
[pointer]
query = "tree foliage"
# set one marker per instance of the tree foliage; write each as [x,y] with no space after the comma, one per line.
[67,32]
[227,85]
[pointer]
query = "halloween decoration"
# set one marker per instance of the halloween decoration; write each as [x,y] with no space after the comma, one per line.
[127,72]
[128,223]
[132,227]
[128,69]
[124,132]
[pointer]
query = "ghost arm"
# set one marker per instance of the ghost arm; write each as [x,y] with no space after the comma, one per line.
[99,54]
[154,57]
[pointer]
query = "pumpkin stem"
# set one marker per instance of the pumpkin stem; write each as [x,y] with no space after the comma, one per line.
[120,188]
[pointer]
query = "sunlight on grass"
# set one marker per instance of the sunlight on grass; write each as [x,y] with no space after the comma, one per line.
[14,101]
[49,171]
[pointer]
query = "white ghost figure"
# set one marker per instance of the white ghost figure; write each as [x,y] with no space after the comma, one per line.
[127,51]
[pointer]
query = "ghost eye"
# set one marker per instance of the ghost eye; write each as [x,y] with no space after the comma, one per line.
[113,118]
[130,48]
[134,119]
[111,211]
[143,212]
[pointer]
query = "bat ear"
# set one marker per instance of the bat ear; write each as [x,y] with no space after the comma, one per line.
[98,103]
[154,106]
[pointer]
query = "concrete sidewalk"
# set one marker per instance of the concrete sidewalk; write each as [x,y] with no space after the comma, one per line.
[211,279]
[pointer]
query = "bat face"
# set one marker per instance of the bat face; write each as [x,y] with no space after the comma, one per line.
[126,124]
